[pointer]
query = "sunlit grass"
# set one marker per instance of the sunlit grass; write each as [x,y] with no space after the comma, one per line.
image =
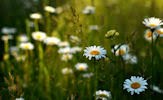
[85,50]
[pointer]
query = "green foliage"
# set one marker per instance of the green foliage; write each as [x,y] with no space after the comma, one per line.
[37,74]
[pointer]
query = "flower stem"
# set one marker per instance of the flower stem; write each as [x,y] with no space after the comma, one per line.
[36,25]
[47,22]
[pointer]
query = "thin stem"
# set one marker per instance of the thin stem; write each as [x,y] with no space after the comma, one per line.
[152,57]
[48,23]
[36,25]
[28,28]
[152,45]
[95,70]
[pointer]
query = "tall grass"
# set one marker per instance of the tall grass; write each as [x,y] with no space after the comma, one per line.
[38,74]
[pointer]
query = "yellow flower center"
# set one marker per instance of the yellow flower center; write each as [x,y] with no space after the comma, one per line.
[149,34]
[103,95]
[152,25]
[38,36]
[26,46]
[94,52]
[121,52]
[159,32]
[81,68]
[135,85]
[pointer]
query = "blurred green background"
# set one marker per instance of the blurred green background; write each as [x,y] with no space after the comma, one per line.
[125,16]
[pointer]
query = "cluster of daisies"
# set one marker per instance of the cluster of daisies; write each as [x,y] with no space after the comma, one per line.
[81,67]
[154,30]
[134,85]
[123,51]
[7,33]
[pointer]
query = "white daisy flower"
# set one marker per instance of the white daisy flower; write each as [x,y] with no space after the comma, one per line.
[152,22]
[74,39]
[36,16]
[159,31]
[51,40]
[50,9]
[8,30]
[81,66]
[130,58]
[120,50]
[14,50]
[87,75]
[27,46]
[65,50]
[63,44]
[76,49]
[89,10]
[66,71]
[7,37]
[59,10]
[93,27]
[66,57]
[135,84]
[96,52]
[38,35]
[148,35]
[103,95]
[22,38]
[19,98]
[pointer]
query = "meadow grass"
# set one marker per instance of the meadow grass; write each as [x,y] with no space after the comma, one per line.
[46,70]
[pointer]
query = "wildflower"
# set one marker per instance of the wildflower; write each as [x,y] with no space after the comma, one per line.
[66,71]
[156,89]
[63,44]
[111,34]
[120,50]
[81,66]
[27,46]
[23,38]
[19,98]
[49,9]
[87,75]
[130,58]
[103,95]
[93,27]
[159,31]
[14,50]
[148,35]
[36,16]
[20,57]
[66,57]
[89,10]
[152,22]
[38,35]
[59,10]
[65,50]
[8,30]
[135,84]
[7,37]
[74,39]
[76,49]
[96,52]
[51,40]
